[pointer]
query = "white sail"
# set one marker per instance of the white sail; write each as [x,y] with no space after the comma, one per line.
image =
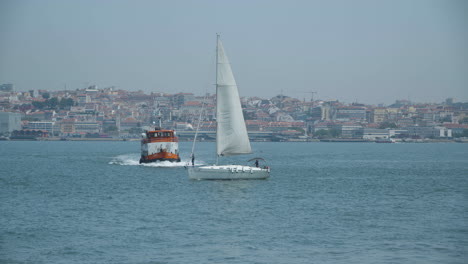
[231,137]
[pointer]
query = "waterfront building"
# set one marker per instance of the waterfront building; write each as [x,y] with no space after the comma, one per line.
[399,133]
[428,132]
[327,125]
[282,126]
[84,127]
[67,126]
[9,122]
[42,126]
[255,125]
[457,129]
[109,124]
[374,133]
[351,130]
[444,132]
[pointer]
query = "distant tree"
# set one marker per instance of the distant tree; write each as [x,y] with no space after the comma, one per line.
[109,129]
[334,132]
[321,133]
[66,103]
[387,125]
[25,107]
[465,133]
[46,95]
[52,103]
[464,120]
[300,129]
[38,105]
[29,118]
[446,119]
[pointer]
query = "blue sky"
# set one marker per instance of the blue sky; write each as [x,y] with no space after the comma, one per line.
[365,51]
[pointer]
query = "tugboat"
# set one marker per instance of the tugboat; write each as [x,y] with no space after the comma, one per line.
[159,145]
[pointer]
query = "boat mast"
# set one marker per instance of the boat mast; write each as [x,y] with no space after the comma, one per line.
[217,60]
[159,117]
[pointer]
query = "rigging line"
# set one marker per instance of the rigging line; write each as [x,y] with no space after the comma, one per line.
[198,126]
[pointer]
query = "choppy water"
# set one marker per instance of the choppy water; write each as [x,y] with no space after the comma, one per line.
[91,202]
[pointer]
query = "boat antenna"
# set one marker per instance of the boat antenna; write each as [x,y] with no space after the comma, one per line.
[159,118]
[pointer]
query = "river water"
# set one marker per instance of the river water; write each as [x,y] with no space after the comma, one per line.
[91,202]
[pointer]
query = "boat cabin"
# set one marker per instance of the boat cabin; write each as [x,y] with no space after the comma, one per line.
[160,134]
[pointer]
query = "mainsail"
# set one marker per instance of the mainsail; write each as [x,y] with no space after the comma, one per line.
[231,137]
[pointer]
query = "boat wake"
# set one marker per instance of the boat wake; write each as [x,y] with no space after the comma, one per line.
[134,160]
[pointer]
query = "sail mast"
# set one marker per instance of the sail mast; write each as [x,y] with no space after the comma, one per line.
[216,80]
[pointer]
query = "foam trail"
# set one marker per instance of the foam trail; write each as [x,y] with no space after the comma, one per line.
[134,160]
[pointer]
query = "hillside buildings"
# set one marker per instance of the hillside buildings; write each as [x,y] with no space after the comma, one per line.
[110,112]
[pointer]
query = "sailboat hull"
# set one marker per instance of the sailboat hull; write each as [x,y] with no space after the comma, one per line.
[228,172]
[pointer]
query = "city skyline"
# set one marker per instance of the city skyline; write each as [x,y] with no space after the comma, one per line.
[117,114]
[307,97]
[360,51]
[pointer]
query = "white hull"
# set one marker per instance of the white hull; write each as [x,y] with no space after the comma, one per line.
[227,172]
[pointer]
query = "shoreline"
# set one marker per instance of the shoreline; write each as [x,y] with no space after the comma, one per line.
[337,140]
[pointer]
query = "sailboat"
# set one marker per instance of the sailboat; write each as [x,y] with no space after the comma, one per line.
[231,132]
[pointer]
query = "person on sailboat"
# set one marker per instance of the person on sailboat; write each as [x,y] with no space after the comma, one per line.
[193,159]
[256,163]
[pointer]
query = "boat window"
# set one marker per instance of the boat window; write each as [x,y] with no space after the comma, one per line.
[155,134]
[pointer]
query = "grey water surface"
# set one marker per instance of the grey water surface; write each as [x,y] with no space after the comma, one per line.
[91,202]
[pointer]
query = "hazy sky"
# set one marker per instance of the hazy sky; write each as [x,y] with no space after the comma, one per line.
[365,51]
